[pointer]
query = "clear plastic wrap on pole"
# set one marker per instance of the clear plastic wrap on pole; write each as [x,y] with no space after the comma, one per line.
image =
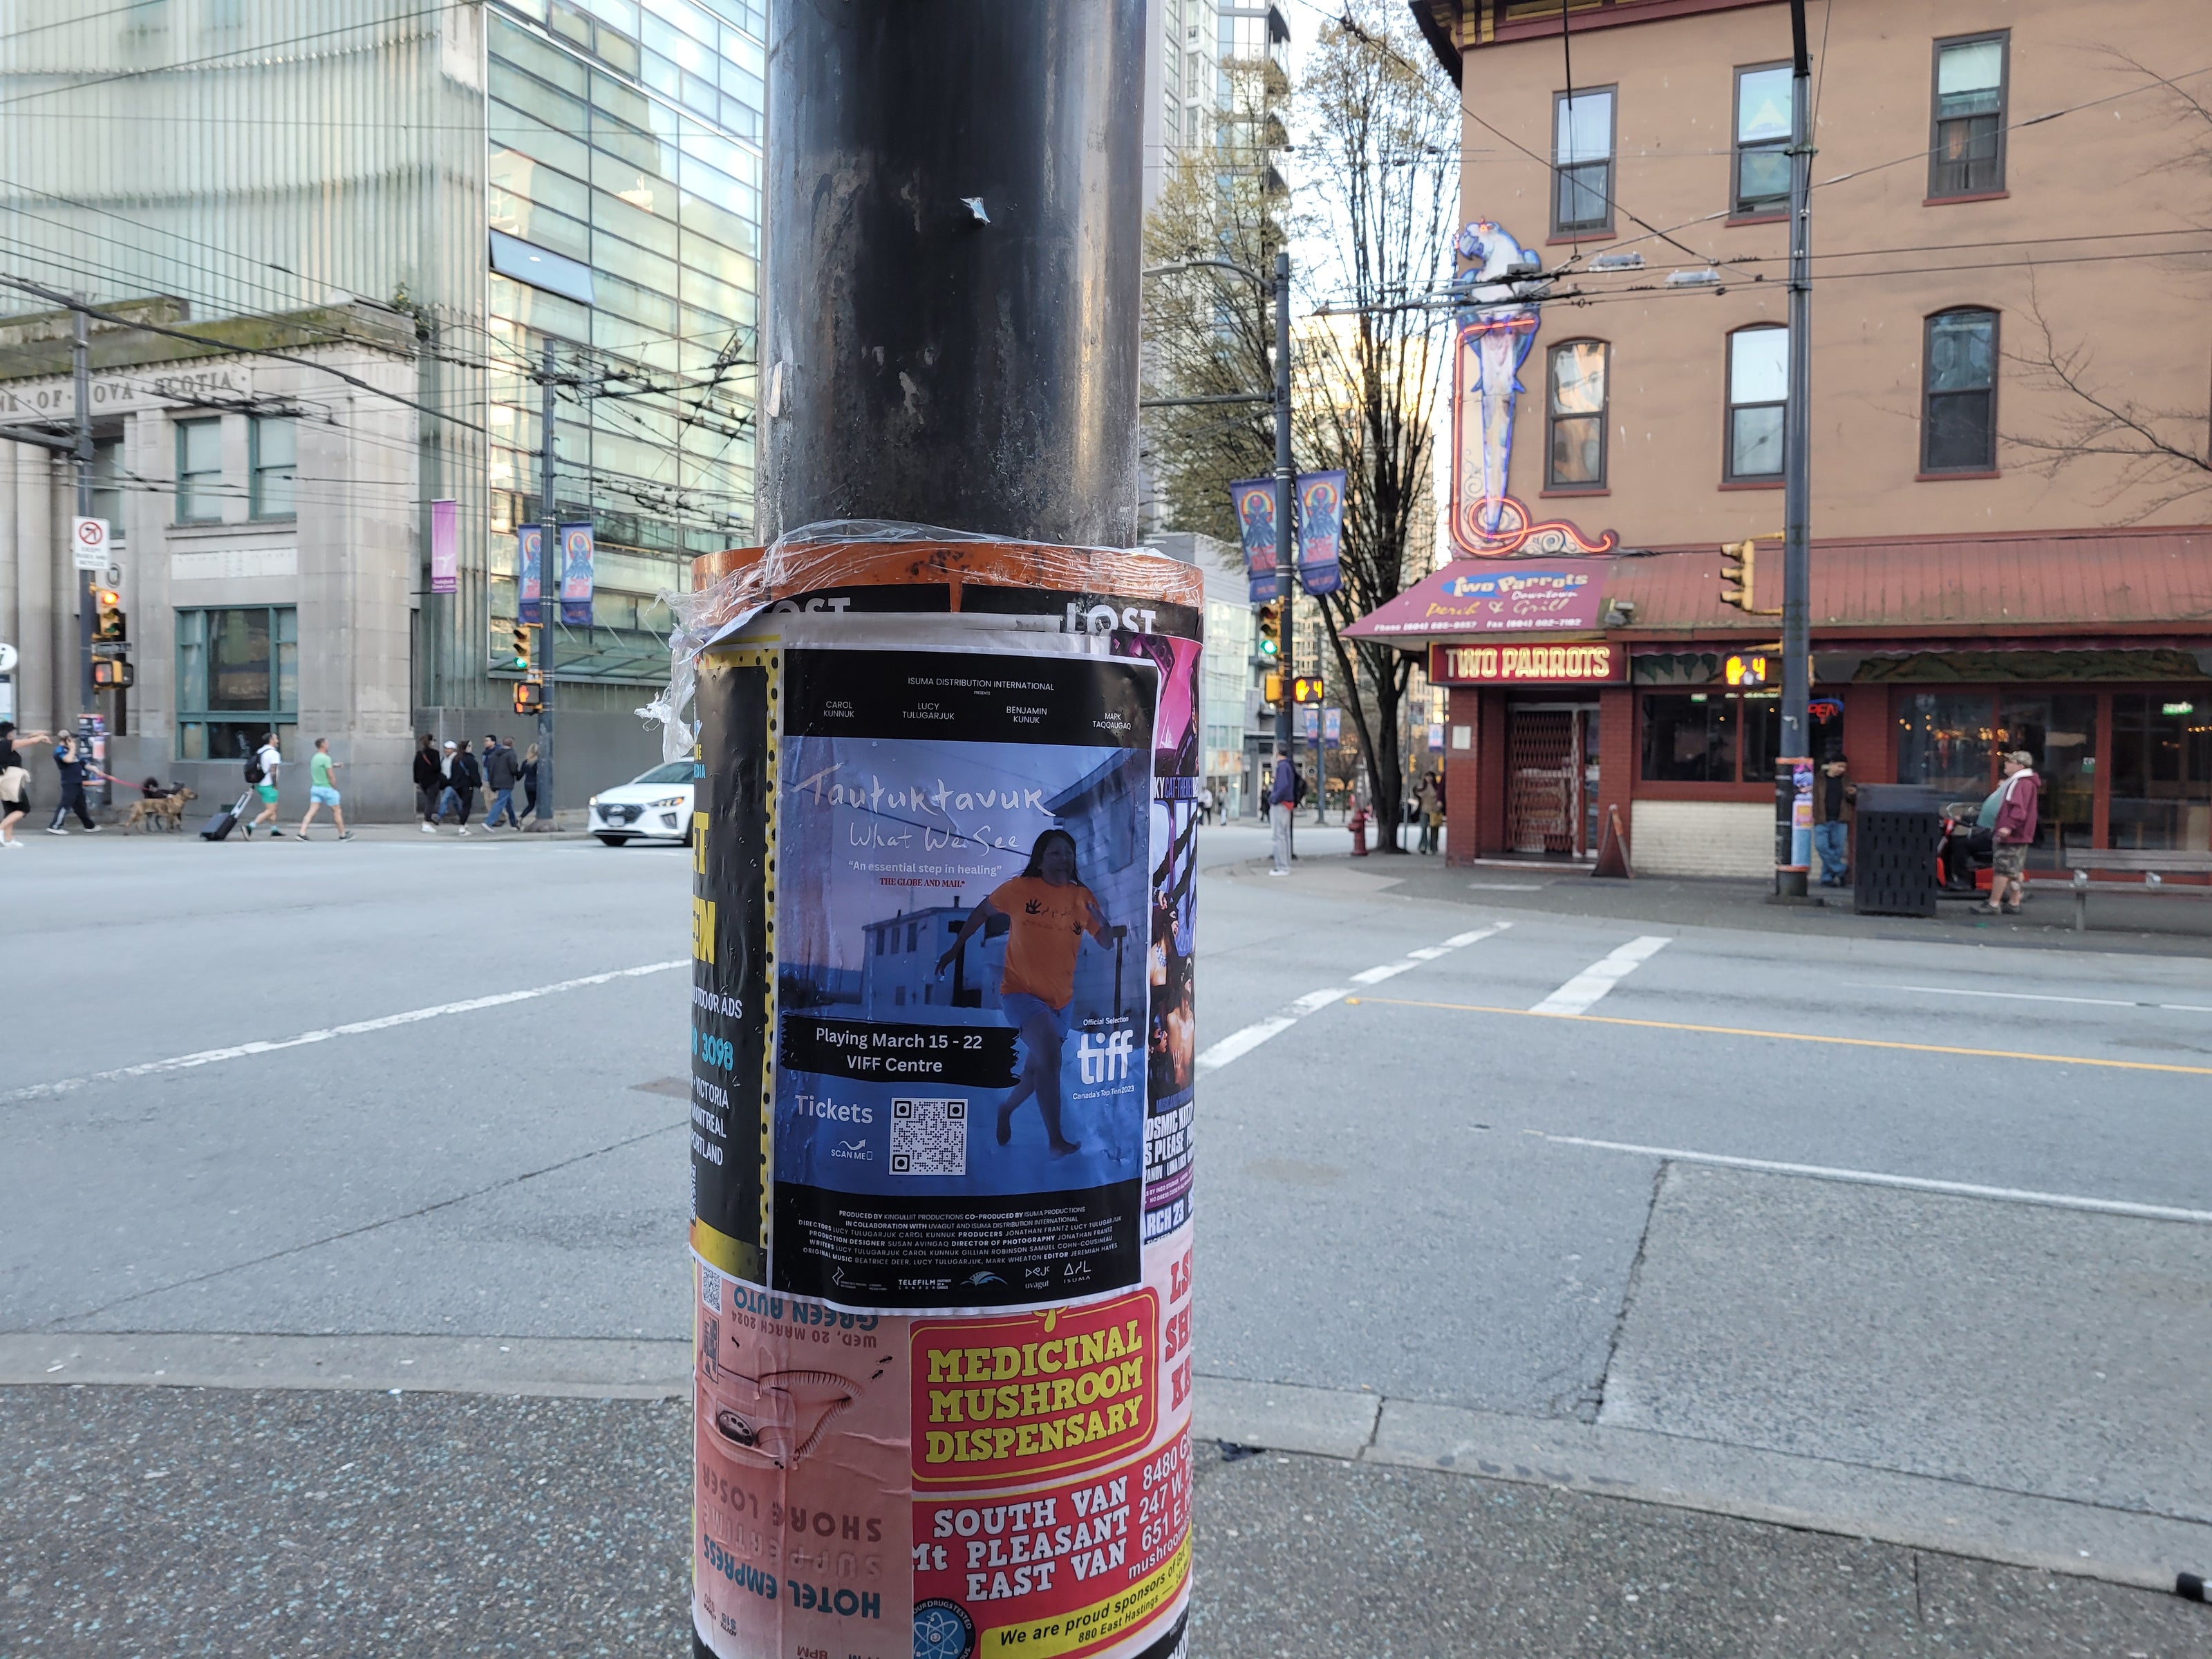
[942,1062]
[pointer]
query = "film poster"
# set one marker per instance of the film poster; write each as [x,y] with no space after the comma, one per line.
[950,1465]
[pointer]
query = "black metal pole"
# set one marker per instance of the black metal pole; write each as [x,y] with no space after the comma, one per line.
[1286,568]
[549,592]
[954,235]
[1792,846]
[88,582]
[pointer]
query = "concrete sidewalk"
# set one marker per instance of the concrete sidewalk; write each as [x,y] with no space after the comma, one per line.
[2122,918]
[158,1521]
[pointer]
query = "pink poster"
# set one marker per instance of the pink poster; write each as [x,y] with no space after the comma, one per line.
[445,547]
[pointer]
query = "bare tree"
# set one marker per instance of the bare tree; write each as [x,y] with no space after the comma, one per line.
[1209,333]
[2159,457]
[2159,453]
[1380,154]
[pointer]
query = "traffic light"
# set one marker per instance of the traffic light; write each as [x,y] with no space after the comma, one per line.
[1744,574]
[1305,688]
[1271,633]
[112,674]
[1271,688]
[529,697]
[108,626]
[522,649]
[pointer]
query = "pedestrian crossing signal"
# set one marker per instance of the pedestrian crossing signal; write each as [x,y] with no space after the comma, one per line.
[112,674]
[529,697]
[1306,688]
[1746,671]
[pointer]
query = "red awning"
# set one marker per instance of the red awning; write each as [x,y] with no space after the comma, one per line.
[2064,582]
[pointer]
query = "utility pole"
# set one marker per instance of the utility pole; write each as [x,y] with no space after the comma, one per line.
[87,581]
[1286,573]
[1793,800]
[548,591]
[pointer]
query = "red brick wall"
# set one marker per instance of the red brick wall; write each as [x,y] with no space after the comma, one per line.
[1474,777]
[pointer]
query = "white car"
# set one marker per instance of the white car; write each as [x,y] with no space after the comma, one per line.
[654,806]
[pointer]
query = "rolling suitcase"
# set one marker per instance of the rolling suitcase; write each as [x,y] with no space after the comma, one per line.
[224,821]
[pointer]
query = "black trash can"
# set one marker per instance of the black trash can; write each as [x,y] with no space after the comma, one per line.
[1900,828]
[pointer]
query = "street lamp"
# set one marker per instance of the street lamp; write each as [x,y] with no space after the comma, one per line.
[1286,583]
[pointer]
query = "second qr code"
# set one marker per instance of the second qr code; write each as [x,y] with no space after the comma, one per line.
[929,1137]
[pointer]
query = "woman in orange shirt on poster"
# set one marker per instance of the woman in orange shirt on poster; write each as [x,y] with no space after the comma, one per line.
[1048,911]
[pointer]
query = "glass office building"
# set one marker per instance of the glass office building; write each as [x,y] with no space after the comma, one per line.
[430,199]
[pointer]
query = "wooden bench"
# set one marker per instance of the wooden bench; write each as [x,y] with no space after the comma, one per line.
[2129,860]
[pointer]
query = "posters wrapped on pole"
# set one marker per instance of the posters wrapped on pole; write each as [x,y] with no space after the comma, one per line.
[1321,531]
[529,563]
[576,550]
[942,1055]
[1254,500]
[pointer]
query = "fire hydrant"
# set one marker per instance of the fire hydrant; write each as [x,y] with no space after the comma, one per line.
[1357,825]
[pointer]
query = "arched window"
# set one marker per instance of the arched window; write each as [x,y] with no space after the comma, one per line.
[1757,384]
[1576,406]
[1959,393]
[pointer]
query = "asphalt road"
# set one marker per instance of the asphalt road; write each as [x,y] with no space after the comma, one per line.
[1868,1256]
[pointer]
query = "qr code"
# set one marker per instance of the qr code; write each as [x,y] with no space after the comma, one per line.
[710,1289]
[929,1137]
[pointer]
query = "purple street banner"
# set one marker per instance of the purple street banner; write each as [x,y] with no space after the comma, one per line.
[1254,500]
[1332,726]
[529,548]
[576,550]
[1321,531]
[445,547]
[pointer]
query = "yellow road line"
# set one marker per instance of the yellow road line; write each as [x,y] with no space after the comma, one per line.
[1795,1037]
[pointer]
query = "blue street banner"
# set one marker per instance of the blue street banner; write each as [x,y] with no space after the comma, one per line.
[529,548]
[1332,726]
[1254,501]
[576,575]
[1309,719]
[1321,531]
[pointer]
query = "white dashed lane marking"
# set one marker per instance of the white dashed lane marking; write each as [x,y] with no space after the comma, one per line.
[1237,1044]
[1579,994]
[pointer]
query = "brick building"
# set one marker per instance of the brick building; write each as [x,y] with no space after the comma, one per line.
[2012,357]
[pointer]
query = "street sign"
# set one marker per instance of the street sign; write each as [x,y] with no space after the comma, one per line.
[88,542]
[8,657]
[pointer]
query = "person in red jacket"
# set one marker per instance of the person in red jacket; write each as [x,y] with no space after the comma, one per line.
[2016,833]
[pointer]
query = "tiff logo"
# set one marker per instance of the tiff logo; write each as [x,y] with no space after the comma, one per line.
[1106,1062]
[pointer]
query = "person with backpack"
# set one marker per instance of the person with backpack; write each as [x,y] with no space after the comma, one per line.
[261,767]
[463,780]
[70,758]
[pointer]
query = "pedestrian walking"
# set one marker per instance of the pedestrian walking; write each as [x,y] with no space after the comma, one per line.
[1282,801]
[323,790]
[462,781]
[2019,797]
[71,755]
[1206,804]
[1831,835]
[14,780]
[502,771]
[529,774]
[261,772]
[429,783]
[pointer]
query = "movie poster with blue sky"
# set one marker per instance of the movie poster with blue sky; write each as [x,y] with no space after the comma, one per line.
[963,852]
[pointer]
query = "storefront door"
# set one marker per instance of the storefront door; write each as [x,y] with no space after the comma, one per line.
[1551,778]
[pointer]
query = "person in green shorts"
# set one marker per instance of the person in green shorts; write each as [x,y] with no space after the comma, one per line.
[322,792]
[266,760]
